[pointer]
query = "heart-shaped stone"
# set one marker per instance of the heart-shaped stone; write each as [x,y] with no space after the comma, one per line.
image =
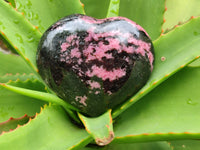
[95,64]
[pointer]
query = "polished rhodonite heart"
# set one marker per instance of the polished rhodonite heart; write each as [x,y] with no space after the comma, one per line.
[95,64]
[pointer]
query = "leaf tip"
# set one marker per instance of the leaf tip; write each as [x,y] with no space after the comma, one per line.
[105,141]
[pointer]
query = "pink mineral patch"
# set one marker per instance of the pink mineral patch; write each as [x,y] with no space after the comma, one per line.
[109,92]
[81,99]
[70,40]
[75,53]
[94,84]
[143,49]
[104,74]
[64,46]
[97,92]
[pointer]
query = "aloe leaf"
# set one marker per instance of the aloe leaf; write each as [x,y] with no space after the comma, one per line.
[12,123]
[96,8]
[100,128]
[132,146]
[179,11]
[47,128]
[22,35]
[16,105]
[185,145]
[44,13]
[37,90]
[34,84]
[12,64]
[169,112]
[113,9]
[148,14]
[173,51]
[13,77]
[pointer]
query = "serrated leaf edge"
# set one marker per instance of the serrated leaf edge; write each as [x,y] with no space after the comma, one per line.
[14,46]
[178,25]
[26,81]
[30,120]
[164,20]
[17,74]
[11,119]
[23,81]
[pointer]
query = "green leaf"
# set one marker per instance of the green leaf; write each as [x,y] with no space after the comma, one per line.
[51,129]
[22,77]
[12,64]
[180,11]
[37,90]
[113,9]
[173,51]
[44,13]
[100,128]
[28,84]
[13,123]
[169,112]
[22,35]
[91,7]
[132,146]
[16,105]
[185,145]
[147,13]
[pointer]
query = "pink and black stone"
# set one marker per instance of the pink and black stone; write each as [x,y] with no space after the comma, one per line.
[95,64]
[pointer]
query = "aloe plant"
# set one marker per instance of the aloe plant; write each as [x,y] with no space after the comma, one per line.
[163,115]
